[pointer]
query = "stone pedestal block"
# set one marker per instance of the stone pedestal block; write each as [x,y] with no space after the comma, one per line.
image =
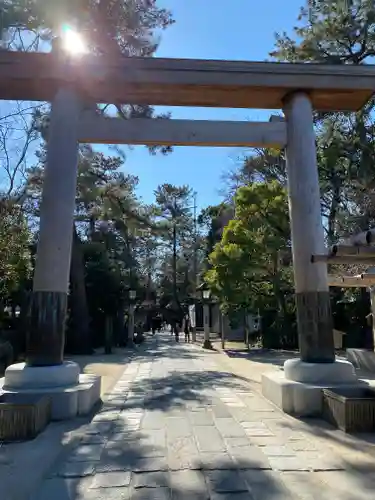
[339,372]
[22,376]
[70,392]
[298,389]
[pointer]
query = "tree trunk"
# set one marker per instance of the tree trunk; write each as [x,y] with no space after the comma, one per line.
[92,227]
[279,295]
[206,326]
[364,295]
[175,263]
[79,340]
[287,326]
[331,224]
[108,335]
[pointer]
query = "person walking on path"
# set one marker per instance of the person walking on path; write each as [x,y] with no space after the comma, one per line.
[186,327]
[177,328]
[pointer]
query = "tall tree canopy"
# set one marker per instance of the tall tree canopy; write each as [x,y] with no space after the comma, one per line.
[246,270]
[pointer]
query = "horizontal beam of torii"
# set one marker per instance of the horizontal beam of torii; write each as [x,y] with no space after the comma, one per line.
[344,259]
[184,82]
[355,250]
[94,129]
[364,280]
[347,254]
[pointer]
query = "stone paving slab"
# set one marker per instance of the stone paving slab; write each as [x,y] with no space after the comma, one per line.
[94,439]
[267,486]
[111,479]
[212,461]
[156,494]
[229,428]
[191,483]
[107,494]
[209,439]
[227,481]
[231,496]
[177,426]
[76,469]
[158,479]
[86,453]
[63,489]
[201,418]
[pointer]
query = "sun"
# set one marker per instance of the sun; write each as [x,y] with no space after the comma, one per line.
[73,42]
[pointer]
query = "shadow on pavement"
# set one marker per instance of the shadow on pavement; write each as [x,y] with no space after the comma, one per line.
[361,442]
[265,356]
[141,445]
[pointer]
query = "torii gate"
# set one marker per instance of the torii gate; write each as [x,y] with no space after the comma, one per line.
[357,249]
[298,89]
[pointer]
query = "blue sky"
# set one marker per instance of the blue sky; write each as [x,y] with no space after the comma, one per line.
[239,30]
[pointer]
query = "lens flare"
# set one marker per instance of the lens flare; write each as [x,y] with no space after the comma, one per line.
[73,42]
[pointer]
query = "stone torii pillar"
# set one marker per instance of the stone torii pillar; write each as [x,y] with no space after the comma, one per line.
[310,279]
[45,371]
[46,336]
[315,327]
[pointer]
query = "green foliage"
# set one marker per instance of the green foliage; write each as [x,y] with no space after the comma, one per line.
[154,247]
[173,211]
[15,260]
[128,26]
[214,218]
[109,218]
[245,272]
[105,283]
[334,32]
[330,33]
[172,202]
[263,165]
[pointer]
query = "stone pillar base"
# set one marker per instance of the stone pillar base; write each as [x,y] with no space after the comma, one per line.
[339,372]
[22,376]
[298,389]
[71,393]
[207,344]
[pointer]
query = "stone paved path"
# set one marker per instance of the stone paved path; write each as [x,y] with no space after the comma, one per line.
[177,425]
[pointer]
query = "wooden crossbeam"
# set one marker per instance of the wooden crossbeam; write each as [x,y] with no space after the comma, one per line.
[359,251]
[184,82]
[159,132]
[345,282]
[344,259]
[368,276]
[351,281]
